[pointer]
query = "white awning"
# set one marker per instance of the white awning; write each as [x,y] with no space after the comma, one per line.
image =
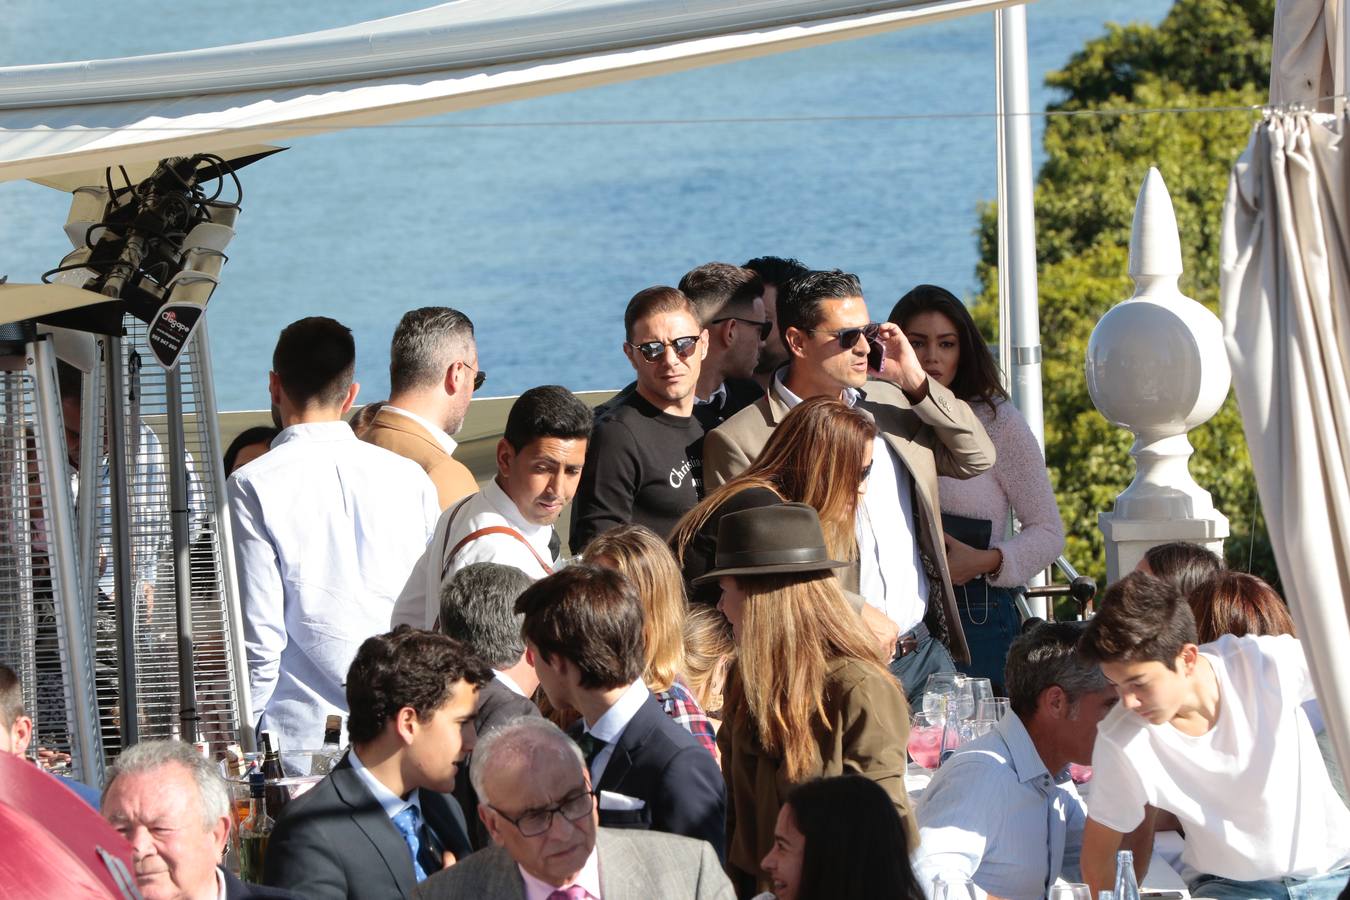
[72,117]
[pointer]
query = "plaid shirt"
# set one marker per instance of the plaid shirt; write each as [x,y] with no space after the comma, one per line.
[681,706]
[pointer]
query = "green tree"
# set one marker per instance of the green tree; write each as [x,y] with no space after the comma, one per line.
[1204,54]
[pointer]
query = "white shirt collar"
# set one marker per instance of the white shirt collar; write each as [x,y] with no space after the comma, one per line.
[447,443]
[503,505]
[391,803]
[609,726]
[849,397]
[588,878]
[508,681]
[336,430]
[720,392]
[221,889]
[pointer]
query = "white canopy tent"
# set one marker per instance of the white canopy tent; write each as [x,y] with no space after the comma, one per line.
[74,117]
[1285,303]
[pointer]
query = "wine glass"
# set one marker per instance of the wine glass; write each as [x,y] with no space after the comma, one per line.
[937,703]
[953,888]
[944,682]
[1070,890]
[926,741]
[993,709]
[980,689]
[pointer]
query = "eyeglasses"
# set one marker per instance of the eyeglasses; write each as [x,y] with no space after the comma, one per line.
[534,822]
[764,327]
[848,337]
[652,351]
[479,375]
[865,473]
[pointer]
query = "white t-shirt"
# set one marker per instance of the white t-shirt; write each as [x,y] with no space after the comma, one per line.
[1252,793]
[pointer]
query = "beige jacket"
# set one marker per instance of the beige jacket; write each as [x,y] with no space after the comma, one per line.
[408,439]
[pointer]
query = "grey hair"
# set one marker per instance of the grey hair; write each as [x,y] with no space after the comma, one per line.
[525,738]
[425,343]
[150,756]
[1044,657]
[478,608]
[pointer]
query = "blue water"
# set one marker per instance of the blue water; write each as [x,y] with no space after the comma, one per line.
[541,232]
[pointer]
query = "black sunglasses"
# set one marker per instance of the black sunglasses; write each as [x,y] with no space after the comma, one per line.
[479,379]
[848,337]
[866,471]
[764,327]
[652,351]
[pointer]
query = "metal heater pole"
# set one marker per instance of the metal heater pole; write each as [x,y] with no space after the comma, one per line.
[182,550]
[121,538]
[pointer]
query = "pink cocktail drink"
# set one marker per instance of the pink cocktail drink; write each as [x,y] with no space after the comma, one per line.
[926,744]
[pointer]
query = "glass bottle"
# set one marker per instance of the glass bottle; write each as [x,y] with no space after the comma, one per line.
[278,794]
[1127,888]
[325,758]
[255,831]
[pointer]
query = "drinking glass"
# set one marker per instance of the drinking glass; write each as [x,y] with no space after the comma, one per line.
[944,682]
[993,709]
[956,888]
[980,690]
[936,704]
[926,742]
[1071,890]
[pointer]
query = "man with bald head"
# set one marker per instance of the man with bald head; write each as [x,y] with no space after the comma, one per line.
[535,800]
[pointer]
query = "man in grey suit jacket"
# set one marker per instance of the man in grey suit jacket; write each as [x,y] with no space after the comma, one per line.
[925,431]
[536,800]
[379,823]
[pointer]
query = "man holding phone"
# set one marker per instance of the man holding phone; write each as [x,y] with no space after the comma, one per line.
[923,431]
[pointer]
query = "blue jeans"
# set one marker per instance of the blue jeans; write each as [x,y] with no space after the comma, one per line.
[1318,887]
[912,669]
[991,621]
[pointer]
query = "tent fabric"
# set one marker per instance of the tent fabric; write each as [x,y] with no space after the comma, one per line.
[1307,57]
[462,55]
[1285,305]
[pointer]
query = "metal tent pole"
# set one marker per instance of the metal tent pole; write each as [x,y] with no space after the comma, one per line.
[119,498]
[182,549]
[63,559]
[229,581]
[1019,235]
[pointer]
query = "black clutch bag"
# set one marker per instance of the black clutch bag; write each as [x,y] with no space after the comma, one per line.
[972,532]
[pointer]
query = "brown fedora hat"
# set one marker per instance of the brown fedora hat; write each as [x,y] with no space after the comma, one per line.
[783,537]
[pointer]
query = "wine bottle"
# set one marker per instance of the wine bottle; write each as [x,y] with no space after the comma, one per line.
[278,794]
[255,831]
[324,759]
[1127,888]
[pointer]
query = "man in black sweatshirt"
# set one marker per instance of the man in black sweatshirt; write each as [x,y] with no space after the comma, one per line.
[645,461]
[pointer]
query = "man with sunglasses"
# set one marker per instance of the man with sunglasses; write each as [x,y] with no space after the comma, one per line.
[644,464]
[433,372]
[923,431]
[536,801]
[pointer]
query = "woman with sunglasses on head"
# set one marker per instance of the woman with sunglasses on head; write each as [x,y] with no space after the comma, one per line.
[806,696]
[840,839]
[986,564]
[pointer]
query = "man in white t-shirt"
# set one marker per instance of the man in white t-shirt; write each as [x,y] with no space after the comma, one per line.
[1217,736]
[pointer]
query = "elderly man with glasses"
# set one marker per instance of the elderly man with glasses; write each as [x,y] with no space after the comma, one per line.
[644,464]
[536,800]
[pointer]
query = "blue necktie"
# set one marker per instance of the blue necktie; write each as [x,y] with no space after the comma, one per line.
[409,823]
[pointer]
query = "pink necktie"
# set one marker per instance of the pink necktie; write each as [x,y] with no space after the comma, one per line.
[572,892]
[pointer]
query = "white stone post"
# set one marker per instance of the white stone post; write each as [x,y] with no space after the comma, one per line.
[1156,365]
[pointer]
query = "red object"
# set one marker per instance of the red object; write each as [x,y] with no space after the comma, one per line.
[52,841]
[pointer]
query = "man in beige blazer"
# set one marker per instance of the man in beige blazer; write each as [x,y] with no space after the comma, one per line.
[433,372]
[925,431]
[535,798]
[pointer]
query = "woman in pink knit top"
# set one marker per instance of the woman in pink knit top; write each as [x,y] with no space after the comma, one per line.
[988,560]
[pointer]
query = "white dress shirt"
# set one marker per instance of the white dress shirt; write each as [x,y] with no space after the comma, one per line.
[391,803]
[588,878]
[993,814]
[890,571]
[326,529]
[419,603]
[609,727]
[509,682]
[448,444]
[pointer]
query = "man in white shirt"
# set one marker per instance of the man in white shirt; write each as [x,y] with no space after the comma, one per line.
[433,372]
[1002,810]
[583,632]
[326,529]
[510,521]
[380,822]
[923,431]
[538,804]
[1217,736]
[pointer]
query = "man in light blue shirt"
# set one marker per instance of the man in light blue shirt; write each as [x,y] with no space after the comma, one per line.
[1002,810]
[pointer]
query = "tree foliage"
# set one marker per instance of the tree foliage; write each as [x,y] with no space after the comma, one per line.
[1119,90]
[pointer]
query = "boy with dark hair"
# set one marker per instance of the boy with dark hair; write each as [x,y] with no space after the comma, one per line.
[1215,735]
[645,462]
[326,528]
[378,823]
[583,633]
[776,272]
[510,520]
